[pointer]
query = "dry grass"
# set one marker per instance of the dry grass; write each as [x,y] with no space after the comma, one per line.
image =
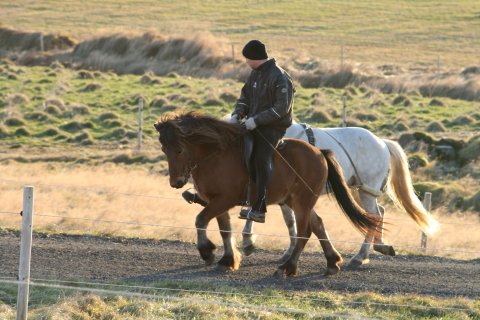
[83,193]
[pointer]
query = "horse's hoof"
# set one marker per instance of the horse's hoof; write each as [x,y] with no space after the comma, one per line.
[280,274]
[384,249]
[209,260]
[357,263]
[248,250]
[224,268]
[331,271]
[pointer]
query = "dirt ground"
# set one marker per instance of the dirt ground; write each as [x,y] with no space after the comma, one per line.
[103,259]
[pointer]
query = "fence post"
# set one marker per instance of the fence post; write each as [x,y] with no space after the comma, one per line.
[42,47]
[140,123]
[427,204]
[344,111]
[233,56]
[25,253]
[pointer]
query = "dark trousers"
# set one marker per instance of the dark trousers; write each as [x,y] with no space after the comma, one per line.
[264,139]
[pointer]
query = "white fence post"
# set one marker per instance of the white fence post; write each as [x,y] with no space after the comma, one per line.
[42,47]
[25,253]
[140,124]
[427,204]
[344,112]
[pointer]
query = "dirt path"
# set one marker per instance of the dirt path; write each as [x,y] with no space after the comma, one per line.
[101,259]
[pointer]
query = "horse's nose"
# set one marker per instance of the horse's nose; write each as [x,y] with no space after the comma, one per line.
[178,183]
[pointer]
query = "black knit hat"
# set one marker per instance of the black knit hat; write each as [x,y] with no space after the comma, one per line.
[255,50]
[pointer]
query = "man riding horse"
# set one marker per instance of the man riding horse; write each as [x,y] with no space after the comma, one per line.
[266,101]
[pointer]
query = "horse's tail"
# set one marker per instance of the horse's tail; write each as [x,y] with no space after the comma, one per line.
[400,189]
[336,182]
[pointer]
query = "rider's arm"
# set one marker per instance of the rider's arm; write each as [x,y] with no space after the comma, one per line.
[281,105]
[243,104]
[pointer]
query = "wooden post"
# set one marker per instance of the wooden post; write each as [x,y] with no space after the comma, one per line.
[233,56]
[25,253]
[140,123]
[438,66]
[427,204]
[344,112]
[42,47]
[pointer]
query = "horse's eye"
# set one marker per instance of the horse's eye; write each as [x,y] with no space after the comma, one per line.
[180,151]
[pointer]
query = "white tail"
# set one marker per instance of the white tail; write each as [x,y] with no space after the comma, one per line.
[400,189]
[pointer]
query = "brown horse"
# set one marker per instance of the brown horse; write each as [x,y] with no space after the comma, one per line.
[210,151]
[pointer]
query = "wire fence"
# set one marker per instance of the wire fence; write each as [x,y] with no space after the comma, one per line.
[127,194]
[82,286]
[100,288]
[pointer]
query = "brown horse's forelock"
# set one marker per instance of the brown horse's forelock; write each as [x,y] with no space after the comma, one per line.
[198,129]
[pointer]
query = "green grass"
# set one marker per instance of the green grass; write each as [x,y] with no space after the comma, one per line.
[383,32]
[49,113]
[189,300]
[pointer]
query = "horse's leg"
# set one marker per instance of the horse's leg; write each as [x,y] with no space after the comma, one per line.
[248,238]
[204,245]
[334,259]
[290,267]
[231,257]
[289,218]
[369,203]
[378,245]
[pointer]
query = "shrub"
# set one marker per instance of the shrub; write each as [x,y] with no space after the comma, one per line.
[37,115]
[436,103]
[53,110]
[435,127]
[108,116]
[17,99]
[22,132]
[51,132]
[14,122]
[91,87]
[319,117]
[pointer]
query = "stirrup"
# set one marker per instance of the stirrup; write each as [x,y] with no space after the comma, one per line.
[244,213]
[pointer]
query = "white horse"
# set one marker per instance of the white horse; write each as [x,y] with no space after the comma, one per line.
[369,165]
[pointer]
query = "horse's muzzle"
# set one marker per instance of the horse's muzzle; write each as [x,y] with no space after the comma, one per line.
[178,183]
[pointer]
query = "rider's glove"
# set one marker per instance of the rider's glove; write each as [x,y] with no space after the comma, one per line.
[250,124]
[234,119]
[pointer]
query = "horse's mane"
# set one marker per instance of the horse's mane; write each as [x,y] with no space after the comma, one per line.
[197,128]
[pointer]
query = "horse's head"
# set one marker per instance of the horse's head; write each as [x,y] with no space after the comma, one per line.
[174,147]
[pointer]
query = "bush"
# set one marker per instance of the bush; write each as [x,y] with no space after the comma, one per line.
[417,160]
[38,116]
[91,87]
[435,127]
[471,151]
[319,117]
[14,122]
[53,110]
[22,132]
[51,132]
[108,116]
[17,99]
[436,103]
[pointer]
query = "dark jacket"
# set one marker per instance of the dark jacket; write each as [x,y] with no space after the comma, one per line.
[267,96]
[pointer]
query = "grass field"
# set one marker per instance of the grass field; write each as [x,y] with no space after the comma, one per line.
[380,32]
[241,304]
[72,134]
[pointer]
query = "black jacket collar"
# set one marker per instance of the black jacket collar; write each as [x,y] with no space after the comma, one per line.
[267,65]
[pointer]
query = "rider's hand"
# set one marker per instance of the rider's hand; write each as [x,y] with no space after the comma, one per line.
[234,119]
[250,124]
